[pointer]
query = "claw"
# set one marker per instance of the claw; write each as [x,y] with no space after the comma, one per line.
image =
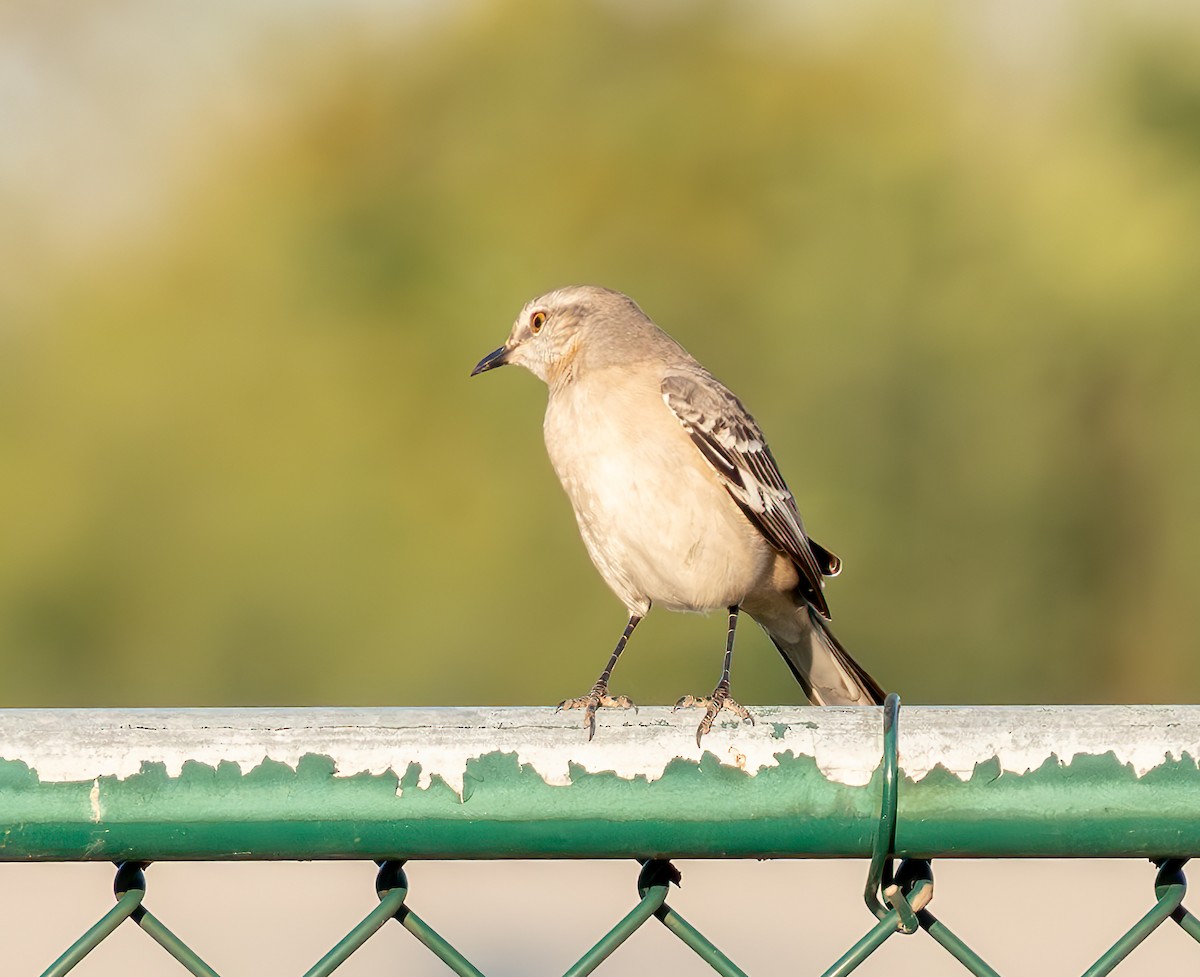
[598,698]
[713,705]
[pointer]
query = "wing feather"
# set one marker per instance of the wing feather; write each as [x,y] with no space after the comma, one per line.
[732,443]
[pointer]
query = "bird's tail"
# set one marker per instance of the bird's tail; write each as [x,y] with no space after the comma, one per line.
[824,669]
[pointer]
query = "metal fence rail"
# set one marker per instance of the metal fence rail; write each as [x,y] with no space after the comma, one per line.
[134,786]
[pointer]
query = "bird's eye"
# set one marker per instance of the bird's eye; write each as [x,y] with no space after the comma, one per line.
[536,321]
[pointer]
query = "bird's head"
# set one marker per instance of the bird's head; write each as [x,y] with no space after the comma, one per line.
[550,330]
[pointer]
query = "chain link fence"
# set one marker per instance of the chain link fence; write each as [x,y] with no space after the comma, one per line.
[898,890]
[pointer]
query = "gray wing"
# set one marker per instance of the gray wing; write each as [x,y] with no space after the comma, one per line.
[730,440]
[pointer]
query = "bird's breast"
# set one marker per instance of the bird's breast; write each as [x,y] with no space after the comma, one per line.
[655,520]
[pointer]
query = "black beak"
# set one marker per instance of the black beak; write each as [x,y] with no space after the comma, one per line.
[494,359]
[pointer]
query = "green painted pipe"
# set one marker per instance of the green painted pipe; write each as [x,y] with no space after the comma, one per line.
[1041,781]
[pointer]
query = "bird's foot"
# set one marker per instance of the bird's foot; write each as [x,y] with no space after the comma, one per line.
[713,705]
[598,698]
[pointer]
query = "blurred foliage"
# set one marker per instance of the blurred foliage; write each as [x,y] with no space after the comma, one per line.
[241,461]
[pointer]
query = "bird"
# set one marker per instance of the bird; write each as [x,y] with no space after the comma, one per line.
[677,496]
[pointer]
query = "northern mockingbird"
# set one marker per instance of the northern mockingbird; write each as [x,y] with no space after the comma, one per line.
[677,496]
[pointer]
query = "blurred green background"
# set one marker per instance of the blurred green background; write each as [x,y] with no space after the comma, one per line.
[948,254]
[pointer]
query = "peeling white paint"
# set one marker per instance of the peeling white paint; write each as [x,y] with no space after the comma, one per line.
[84,745]
[94,800]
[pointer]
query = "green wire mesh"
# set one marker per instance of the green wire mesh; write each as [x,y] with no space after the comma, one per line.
[912,887]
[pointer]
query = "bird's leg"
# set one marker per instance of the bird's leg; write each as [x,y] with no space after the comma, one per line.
[599,695]
[719,699]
